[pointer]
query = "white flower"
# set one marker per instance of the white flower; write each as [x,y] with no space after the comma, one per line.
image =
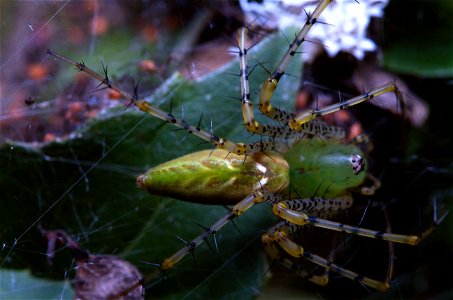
[345,21]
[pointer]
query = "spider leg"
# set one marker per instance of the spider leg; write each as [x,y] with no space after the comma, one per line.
[145,106]
[287,210]
[274,253]
[301,121]
[306,116]
[282,131]
[269,241]
[371,189]
[316,205]
[280,235]
[271,83]
[258,196]
[391,246]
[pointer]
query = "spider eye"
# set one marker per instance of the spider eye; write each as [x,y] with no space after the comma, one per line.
[358,163]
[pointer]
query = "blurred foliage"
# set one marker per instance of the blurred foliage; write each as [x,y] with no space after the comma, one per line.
[419,37]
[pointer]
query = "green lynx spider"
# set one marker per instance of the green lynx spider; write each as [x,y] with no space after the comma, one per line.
[257,172]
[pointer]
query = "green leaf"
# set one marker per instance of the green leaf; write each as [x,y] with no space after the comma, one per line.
[22,285]
[418,39]
[85,185]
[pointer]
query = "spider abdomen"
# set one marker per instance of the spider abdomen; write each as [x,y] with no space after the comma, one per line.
[216,177]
